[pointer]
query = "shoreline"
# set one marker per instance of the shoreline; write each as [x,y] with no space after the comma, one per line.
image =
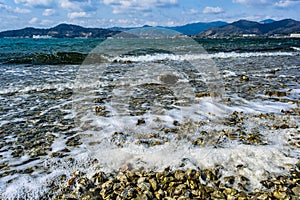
[178,184]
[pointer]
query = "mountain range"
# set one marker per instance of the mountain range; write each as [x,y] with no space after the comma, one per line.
[268,27]
[60,31]
[243,27]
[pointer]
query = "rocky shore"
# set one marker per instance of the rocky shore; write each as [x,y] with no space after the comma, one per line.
[251,152]
[178,184]
[182,182]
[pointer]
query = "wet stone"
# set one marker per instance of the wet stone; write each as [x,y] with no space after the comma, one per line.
[296,190]
[140,121]
[168,78]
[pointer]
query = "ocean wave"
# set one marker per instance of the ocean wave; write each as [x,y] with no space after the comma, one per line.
[79,58]
[183,57]
[41,58]
[296,48]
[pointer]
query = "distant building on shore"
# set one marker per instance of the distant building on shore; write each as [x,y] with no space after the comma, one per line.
[41,36]
[249,35]
[295,35]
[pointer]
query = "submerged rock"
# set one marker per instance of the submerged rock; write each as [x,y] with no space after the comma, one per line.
[168,78]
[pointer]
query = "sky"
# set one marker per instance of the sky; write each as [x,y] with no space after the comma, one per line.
[17,14]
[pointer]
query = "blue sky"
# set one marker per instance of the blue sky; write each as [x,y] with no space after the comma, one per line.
[108,13]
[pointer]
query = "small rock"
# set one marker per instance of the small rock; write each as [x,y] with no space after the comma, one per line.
[153,184]
[245,78]
[180,175]
[279,195]
[168,78]
[296,190]
[141,180]
[140,121]
[200,95]
[217,195]
[179,189]
[230,191]
[144,186]
[263,196]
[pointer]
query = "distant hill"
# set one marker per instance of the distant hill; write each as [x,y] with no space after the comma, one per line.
[244,27]
[266,27]
[60,31]
[267,21]
[195,28]
[120,28]
[74,31]
[188,29]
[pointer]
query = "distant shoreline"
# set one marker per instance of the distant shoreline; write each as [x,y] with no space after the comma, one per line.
[287,28]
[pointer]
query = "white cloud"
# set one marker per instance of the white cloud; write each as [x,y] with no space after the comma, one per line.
[48,12]
[15,10]
[33,20]
[274,3]
[193,11]
[137,5]
[213,10]
[36,3]
[4,7]
[252,2]
[69,5]
[74,15]
[286,3]
[83,5]
[22,11]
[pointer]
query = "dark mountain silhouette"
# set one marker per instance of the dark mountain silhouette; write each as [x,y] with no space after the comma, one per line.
[73,31]
[195,28]
[267,21]
[60,31]
[267,27]
[242,27]
[188,29]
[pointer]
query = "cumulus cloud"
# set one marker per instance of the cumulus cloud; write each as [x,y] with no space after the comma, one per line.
[253,2]
[82,5]
[48,12]
[74,15]
[275,3]
[193,11]
[69,5]
[137,5]
[15,10]
[21,11]
[33,20]
[212,10]
[286,3]
[36,3]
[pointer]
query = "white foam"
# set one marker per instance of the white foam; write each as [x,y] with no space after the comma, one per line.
[38,88]
[257,106]
[296,48]
[259,161]
[37,187]
[228,73]
[189,57]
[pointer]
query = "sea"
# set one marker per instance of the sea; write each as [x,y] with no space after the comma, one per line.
[152,98]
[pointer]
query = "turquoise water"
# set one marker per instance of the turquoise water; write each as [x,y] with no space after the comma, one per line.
[27,51]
